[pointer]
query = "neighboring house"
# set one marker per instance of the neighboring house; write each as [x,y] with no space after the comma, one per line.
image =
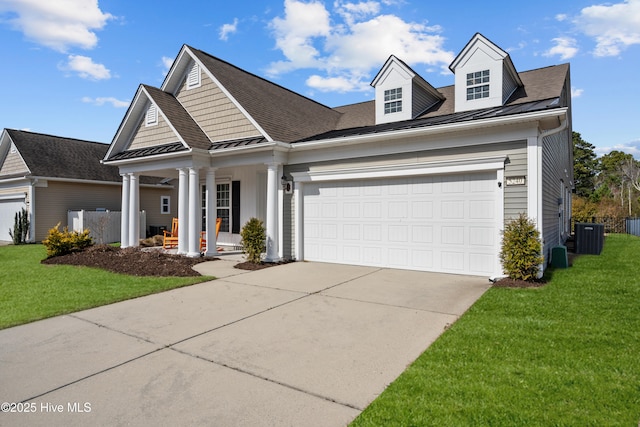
[50,175]
[419,178]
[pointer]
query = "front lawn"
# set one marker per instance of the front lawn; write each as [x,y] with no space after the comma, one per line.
[566,354]
[31,291]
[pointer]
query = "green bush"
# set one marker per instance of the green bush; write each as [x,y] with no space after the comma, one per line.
[20,227]
[521,253]
[65,241]
[253,241]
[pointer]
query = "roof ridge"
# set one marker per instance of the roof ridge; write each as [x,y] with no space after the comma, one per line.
[57,136]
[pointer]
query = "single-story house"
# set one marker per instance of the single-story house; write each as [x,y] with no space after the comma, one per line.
[418,178]
[51,175]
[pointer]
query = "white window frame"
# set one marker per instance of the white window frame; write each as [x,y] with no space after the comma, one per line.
[393,100]
[478,85]
[194,78]
[164,205]
[151,118]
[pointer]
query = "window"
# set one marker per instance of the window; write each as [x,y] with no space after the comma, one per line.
[223,208]
[478,85]
[393,100]
[193,78]
[152,116]
[165,204]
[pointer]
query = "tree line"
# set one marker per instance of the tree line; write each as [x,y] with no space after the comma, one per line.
[606,186]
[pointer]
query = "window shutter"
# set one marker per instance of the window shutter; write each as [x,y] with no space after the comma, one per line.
[235,207]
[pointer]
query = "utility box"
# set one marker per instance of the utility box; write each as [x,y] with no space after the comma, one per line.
[589,238]
[559,257]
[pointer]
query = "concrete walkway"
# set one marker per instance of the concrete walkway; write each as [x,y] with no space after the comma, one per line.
[297,344]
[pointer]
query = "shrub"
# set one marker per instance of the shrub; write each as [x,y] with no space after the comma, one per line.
[253,239]
[521,253]
[65,241]
[20,227]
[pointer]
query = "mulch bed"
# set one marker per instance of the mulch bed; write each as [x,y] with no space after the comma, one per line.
[137,261]
[132,261]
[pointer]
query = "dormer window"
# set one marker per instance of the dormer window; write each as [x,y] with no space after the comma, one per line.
[393,100]
[478,85]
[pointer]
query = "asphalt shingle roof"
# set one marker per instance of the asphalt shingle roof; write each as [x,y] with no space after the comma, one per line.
[286,116]
[51,156]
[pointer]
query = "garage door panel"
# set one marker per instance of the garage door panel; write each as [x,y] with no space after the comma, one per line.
[8,210]
[432,223]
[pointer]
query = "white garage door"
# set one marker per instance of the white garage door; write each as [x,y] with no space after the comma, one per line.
[444,223]
[8,210]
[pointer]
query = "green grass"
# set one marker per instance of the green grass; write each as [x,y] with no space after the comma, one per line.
[567,354]
[31,291]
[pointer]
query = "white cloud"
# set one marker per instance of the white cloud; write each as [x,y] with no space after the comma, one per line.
[631,147]
[614,27]
[575,92]
[86,68]
[100,101]
[561,17]
[565,47]
[351,42]
[166,64]
[58,24]
[227,29]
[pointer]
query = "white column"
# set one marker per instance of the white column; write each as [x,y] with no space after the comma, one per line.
[124,214]
[194,211]
[211,212]
[183,209]
[298,201]
[272,213]
[281,216]
[134,210]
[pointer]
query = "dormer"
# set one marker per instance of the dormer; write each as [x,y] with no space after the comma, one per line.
[484,75]
[401,94]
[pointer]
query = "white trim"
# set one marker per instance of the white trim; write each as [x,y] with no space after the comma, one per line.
[534,181]
[162,199]
[14,196]
[411,169]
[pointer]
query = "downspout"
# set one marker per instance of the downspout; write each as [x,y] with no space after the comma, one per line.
[32,210]
[540,214]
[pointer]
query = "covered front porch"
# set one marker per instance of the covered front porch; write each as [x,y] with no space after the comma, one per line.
[210,185]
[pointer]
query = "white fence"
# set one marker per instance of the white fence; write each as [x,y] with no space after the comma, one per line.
[104,226]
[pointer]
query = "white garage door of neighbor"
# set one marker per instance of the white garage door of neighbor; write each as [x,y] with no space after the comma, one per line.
[444,223]
[8,210]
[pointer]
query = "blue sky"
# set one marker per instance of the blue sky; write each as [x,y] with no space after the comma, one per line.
[71,67]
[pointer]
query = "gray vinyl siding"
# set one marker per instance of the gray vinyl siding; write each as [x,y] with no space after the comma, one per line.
[515,197]
[421,100]
[216,114]
[149,136]
[508,84]
[556,162]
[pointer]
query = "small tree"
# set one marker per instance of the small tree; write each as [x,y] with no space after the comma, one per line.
[20,227]
[521,253]
[253,241]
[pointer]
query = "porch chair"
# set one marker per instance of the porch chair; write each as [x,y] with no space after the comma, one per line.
[170,238]
[203,235]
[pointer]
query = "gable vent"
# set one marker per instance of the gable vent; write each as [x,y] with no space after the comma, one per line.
[193,79]
[152,116]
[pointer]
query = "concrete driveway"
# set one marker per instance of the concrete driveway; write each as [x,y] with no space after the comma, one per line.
[297,344]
